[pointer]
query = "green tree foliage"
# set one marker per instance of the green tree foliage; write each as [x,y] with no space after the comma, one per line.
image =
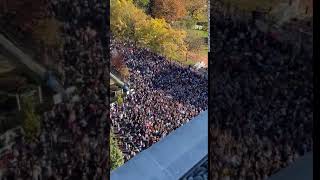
[194,41]
[131,23]
[116,156]
[185,23]
[143,4]
[119,99]
[197,9]
[31,120]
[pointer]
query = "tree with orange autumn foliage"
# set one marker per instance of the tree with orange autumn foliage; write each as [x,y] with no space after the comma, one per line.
[117,62]
[170,10]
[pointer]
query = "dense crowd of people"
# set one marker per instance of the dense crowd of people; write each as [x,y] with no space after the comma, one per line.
[73,140]
[261,110]
[164,97]
[262,93]
[74,136]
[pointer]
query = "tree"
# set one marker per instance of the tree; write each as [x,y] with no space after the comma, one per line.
[194,42]
[143,4]
[31,122]
[125,73]
[170,10]
[119,99]
[123,19]
[161,38]
[197,9]
[117,62]
[186,23]
[116,156]
[130,23]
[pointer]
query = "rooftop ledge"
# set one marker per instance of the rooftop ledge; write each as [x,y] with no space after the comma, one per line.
[301,169]
[172,157]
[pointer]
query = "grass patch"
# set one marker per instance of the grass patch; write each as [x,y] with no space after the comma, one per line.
[189,62]
[182,60]
[204,50]
[203,34]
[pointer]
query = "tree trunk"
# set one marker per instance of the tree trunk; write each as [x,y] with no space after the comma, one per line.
[150,8]
[186,56]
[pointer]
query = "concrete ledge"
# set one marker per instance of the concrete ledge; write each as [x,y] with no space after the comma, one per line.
[117,80]
[171,157]
[302,169]
[24,58]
